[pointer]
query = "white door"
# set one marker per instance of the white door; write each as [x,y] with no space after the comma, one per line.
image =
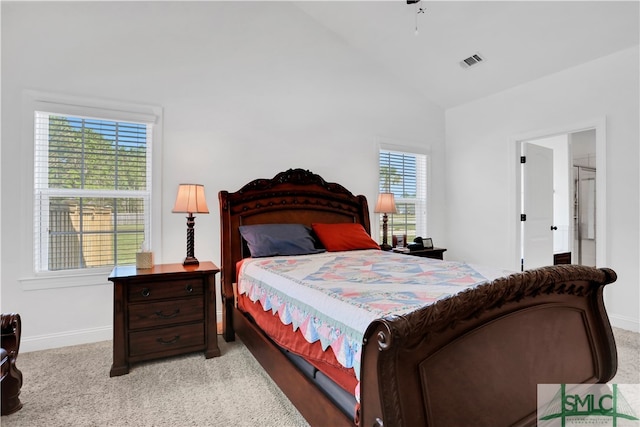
[537,206]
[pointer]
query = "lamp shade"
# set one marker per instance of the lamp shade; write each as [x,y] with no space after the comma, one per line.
[190,199]
[386,204]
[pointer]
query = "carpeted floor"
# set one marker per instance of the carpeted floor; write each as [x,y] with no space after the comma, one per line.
[71,386]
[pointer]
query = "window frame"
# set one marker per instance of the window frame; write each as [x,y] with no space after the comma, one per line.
[424,185]
[44,192]
[105,109]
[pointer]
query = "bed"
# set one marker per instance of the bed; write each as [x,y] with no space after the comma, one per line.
[473,357]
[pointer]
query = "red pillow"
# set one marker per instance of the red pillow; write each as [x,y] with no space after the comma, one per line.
[343,237]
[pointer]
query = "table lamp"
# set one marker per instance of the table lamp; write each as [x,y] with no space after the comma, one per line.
[386,205]
[190,200]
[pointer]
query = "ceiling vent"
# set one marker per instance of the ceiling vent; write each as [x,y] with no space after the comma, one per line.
[474,59]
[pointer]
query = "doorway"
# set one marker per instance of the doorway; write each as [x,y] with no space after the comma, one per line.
[576,219]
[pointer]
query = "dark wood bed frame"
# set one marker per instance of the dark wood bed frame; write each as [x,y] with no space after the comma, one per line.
[473,359]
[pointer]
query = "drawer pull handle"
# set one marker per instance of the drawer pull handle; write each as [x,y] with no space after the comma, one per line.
[171,341]
[188,288]
[167,316]
[146,292]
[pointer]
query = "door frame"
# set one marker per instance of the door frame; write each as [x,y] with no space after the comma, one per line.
[515,183]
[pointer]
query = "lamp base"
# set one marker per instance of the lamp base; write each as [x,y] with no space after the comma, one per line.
[190,261]
[385,247]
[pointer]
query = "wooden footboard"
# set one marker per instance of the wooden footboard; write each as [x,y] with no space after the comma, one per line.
[477,358]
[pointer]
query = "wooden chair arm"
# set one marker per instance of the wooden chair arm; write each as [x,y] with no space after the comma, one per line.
[11,328]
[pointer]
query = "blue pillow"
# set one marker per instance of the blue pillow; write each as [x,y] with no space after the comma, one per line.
[278,239]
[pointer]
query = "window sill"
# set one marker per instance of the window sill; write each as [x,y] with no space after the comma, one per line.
[57,280]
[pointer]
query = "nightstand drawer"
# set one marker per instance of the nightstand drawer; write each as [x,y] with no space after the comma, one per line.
[166,339]
[164,289]
[165,313]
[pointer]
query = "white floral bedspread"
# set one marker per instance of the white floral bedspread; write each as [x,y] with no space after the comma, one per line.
[332,297]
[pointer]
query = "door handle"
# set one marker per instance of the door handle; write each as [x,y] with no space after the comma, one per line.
[554,228]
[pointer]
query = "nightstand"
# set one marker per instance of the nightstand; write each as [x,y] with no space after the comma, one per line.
[163,311]
[435,253]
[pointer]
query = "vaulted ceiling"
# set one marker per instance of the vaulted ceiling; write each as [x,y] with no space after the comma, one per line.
[520,41]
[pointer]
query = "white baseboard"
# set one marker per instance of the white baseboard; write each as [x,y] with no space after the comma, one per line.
[64,339]
[623,322]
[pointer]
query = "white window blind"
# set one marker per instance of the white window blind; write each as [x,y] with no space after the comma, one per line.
[92,182]
[405,175]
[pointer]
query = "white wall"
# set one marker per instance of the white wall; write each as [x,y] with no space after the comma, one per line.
[247,90]
[479,169]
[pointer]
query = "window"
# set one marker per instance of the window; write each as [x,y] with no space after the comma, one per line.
[405,175]
[92,182]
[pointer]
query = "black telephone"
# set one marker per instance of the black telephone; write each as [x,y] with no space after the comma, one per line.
[419,244]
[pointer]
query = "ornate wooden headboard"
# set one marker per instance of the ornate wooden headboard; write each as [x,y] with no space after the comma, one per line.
[294,196]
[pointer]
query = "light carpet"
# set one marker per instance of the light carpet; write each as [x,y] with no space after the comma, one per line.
[70,386]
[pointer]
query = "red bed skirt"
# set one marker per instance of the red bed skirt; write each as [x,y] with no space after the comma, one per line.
[285,337]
